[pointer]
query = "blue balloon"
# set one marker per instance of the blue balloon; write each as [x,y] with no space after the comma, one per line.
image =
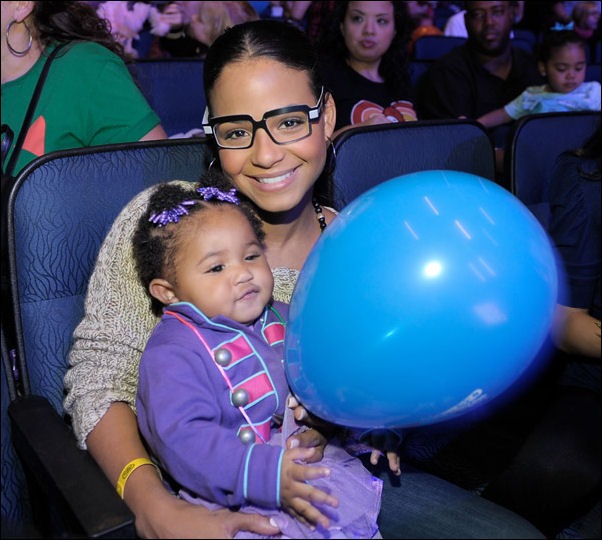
[429,294]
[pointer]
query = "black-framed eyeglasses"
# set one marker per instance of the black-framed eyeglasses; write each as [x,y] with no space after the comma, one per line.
[285,125]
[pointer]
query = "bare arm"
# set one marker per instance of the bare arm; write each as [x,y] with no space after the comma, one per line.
[155,134]
[495,118]
[576,332]
[114,442]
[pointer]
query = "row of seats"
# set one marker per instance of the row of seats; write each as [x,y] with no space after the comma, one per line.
[431,47]
[174,88]
[62,206]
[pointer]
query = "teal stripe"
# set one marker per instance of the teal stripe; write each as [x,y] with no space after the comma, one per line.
[278,478]
[246,476]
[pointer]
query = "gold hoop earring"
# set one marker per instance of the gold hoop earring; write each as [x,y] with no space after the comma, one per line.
[10,47]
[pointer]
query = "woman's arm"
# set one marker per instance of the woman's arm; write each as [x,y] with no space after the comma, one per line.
[495,118]
[155,134]
[114,442]
[576,332]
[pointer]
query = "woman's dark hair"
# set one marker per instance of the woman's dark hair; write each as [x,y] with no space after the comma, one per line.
[155,247]
[554,40]
[70,21]
[273,39]
[278,41]
[393,66]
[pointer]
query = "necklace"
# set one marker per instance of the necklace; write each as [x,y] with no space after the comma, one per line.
[319,215]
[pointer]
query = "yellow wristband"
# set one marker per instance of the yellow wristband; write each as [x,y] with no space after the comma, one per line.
[129,469]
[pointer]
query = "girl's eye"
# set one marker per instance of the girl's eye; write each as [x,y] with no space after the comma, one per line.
[382,21]
[252,257]
[356,18]
[215,269]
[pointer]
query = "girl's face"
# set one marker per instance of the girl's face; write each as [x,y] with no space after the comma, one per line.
[368,30]
[277,178]
[565,69]
[220,266]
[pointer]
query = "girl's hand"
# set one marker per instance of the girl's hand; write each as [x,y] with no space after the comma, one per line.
[297,495]
[309,439]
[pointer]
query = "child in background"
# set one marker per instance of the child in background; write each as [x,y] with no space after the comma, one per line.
[586,16]
[212,391]
[563,62]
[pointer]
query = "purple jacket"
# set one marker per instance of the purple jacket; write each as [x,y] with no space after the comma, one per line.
[185,409]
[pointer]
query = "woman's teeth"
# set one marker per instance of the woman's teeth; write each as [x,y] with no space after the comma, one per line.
[274,179]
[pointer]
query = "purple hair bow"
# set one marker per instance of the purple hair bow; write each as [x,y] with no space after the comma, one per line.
[213,192]
[171,216]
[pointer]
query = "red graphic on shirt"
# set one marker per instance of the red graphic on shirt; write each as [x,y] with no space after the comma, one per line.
[398,111]
[36,135]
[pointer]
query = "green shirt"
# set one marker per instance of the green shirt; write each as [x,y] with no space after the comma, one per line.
[89,98]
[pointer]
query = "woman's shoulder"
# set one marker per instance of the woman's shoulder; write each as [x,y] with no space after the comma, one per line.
[89,51]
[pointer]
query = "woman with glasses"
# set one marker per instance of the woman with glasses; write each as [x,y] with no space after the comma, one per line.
[271,120]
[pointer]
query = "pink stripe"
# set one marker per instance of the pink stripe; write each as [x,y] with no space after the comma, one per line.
[257,387]
[239,348]
[264,431]
[274,333]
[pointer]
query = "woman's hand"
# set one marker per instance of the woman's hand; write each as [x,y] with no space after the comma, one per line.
[297,495]
[167,516]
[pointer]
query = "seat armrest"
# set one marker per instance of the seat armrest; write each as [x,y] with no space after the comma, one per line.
[68,477]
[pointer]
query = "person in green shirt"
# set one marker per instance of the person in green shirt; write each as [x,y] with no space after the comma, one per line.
[88,99]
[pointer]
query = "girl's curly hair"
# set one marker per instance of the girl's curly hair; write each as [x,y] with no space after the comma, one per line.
[155,247]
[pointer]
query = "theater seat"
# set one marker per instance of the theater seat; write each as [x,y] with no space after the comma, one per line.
[60,209]
[174,90]
[368,155]
[533,145]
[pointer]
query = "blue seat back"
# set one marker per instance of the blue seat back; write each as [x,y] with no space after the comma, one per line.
[534,144]
[60,210]
[593,73]
[417,69]
[174,90]
[367,156]
[432,47]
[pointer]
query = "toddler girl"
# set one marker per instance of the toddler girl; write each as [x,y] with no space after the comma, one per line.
[212,390]
[563,62]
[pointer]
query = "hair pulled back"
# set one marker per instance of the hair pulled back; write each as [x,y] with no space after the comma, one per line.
[272,39]
[554,40]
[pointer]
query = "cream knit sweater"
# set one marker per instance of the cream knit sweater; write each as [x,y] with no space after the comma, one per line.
[108,342]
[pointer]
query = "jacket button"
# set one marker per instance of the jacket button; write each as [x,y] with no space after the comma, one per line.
[240,397]
[246,436]
[223,357]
